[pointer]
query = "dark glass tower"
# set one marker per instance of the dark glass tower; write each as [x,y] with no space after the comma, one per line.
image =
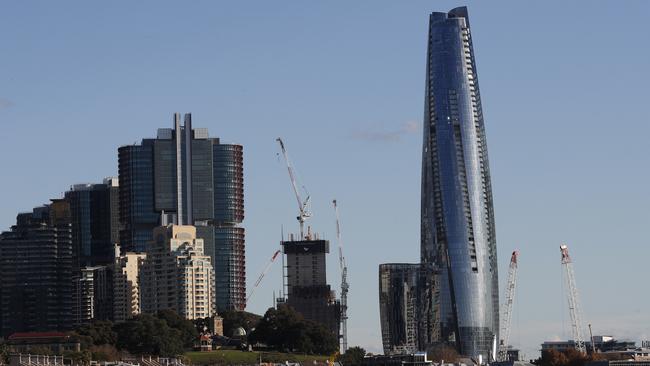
[457,233]
[183,176]
[36,270]
[95,222]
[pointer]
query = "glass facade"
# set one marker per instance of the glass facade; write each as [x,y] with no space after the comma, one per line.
[398,307]
[458,235]
[95,222]
[137,214]
[230,268]
[184,176]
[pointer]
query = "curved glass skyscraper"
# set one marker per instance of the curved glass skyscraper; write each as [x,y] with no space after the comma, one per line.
[458,235]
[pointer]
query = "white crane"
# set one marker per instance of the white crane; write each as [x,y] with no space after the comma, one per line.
[303,206]
[506,309]
[259,279]
[574,305]
[345,287]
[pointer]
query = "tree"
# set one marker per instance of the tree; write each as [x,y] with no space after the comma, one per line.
[442,352]
[100,332]
[233,319]
[105,352]
[286,330]
[186,327]
[146,334]
[353,356]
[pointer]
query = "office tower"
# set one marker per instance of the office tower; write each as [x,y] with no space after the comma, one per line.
[458,235]
[93,295]
[177,275]
[36,270]
[399,285]
[126,285]
[307,289]
[95,222]
[183,176]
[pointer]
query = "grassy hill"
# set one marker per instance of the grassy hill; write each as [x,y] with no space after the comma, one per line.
[233,357]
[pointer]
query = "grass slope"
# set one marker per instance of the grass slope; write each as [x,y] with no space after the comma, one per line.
[233,357]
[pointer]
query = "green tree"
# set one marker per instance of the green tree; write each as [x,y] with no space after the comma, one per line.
[353,356]
[286,330]
[99,331]
[186,327]
[146,334]
[233,319]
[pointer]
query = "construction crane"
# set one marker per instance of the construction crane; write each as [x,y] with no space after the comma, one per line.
[574,306]
[506,310]
[303,205]
[345,287]
[259,279]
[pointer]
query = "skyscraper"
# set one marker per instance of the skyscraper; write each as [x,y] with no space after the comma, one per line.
[94,210]
[457,233]
[36,271]
[398,307]
[183,176]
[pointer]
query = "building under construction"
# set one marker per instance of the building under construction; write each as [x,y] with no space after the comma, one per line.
[306,279]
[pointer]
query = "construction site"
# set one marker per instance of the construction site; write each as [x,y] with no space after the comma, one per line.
[304,267]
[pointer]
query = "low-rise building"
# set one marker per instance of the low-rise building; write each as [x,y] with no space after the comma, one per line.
[55,342]
[417,359]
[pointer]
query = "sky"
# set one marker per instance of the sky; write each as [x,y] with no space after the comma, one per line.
[564,87]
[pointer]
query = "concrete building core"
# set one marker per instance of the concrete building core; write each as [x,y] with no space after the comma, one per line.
[307,289]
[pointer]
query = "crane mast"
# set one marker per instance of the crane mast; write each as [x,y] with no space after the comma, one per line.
[506,310]
[344,284]
[303,211]
[259,279]
[574,306]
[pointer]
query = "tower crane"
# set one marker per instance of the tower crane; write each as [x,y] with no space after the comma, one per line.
[574,306]
[259,279]
[506,310]
[303,205]
[344,284]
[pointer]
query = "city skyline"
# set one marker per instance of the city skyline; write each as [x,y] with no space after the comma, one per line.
[555,118]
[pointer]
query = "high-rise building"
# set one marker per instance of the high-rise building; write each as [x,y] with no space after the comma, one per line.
[126,285]
[458,235]
[176,274]
[185,177]
[398,307]
[36,271]
[307,289]
[94,210]
[407,321]
[93,295]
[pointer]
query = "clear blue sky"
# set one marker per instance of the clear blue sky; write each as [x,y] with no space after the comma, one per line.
[564,87]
